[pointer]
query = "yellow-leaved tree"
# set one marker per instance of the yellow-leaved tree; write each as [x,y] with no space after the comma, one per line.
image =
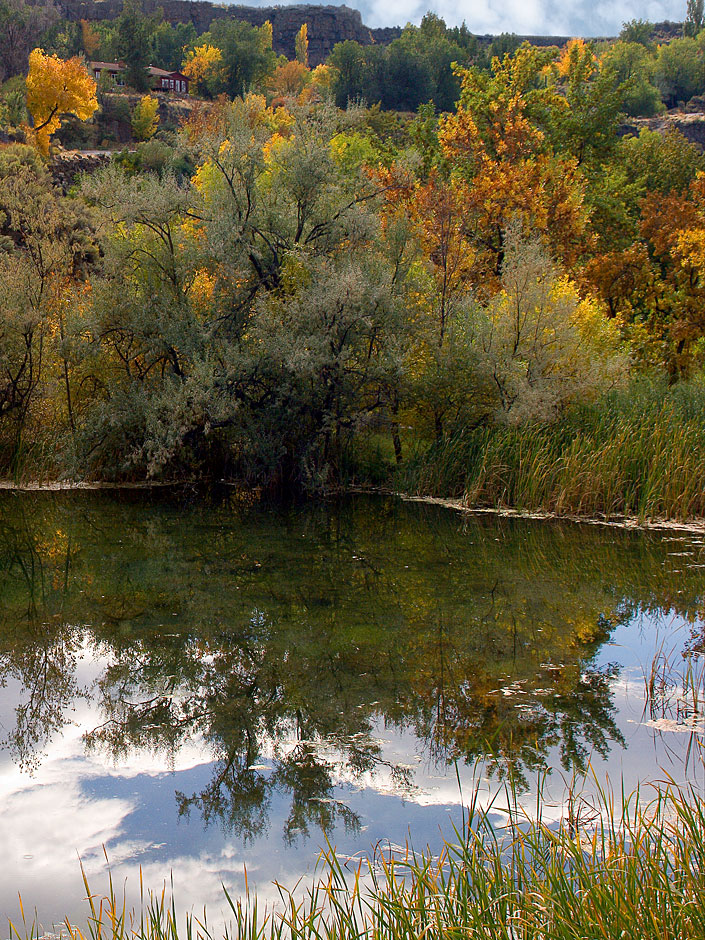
[301,45]
[204,66]
[145,117]
[540,344]
[57,88]
[266,35]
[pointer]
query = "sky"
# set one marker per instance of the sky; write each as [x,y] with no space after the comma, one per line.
[528,17]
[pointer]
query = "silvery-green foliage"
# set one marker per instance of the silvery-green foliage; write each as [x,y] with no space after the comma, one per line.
[299,339]
[539,345]
[330,353]
[142,334]
[45,243]
[259,212]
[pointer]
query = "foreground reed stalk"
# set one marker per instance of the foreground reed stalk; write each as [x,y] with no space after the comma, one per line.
[637,452]
[634,873]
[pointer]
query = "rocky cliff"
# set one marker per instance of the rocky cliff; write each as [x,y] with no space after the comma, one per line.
[326,24]
[691,126]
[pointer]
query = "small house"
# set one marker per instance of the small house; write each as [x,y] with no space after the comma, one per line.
[112,70]
[159,79]
[162,80]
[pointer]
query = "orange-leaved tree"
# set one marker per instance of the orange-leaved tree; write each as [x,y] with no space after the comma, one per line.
[288,81]
[656,286]
[496,142]
[57,88]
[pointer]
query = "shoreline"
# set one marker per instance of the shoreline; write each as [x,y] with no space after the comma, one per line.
[694,526]
[60,487]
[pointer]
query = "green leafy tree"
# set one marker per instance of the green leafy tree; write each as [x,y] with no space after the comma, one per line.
[247,60]
[407,81]
[430,48]
[504,44]
[268,332]
[680,71]
[63,39]
[348,59]
[22,26]
[47,248]
[587,128]
[634,65]
[13,110]
[168,41]
[693,22]
[639,31]
[661,163]
[132,44]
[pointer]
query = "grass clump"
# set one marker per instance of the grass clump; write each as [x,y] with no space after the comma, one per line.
[602,875]
[638,452]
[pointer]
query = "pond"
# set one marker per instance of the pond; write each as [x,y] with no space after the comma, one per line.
[188,688]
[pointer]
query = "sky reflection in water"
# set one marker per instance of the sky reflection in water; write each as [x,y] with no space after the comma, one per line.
[195,687]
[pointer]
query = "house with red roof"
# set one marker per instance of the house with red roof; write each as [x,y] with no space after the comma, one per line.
[175,83]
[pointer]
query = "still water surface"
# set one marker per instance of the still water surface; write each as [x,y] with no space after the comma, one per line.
[193,688]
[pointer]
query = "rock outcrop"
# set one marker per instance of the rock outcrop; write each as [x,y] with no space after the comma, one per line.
[691,126]
[66,167]
[327,25]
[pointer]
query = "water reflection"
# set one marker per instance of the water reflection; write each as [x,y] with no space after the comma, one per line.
[286,639]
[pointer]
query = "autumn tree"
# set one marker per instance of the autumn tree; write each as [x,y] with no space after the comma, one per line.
[90,39]
[495,142]
[301,45]
[145,117]
[288,80]
[266,35]
[439,375]
[204,66]
[654,287]
[56,89]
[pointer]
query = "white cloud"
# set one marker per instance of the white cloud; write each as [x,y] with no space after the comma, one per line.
[533,17]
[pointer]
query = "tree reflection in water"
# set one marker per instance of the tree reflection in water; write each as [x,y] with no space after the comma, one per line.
[287,640]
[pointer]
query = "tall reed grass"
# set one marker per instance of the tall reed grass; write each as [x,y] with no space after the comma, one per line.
[637,452]
[637,873]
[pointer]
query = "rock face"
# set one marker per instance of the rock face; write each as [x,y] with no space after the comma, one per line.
[327,25]
[66,167]
[691,126]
